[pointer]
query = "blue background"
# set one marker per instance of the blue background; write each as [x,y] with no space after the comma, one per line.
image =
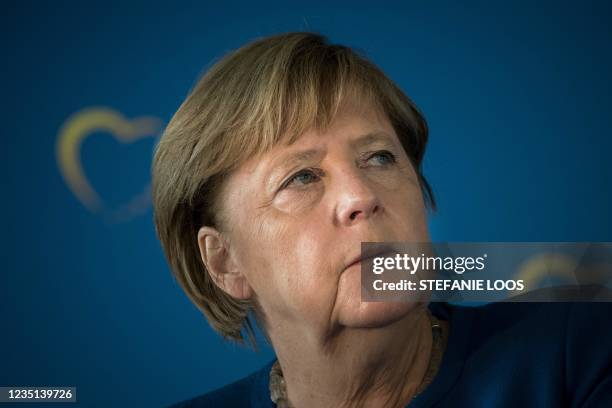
[518,97]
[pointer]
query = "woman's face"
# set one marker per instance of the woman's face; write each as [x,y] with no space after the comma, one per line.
[298,214]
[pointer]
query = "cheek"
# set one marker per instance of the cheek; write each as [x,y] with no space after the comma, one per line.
[313,279]
[409,200]
[410,214]
[285,263]
[387,180]
[406,217]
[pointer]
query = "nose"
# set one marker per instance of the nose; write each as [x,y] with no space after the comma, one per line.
[356,201]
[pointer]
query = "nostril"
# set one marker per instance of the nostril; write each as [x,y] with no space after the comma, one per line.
[375,209]
[353,215]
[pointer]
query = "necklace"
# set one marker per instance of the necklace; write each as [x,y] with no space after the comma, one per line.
[278,389]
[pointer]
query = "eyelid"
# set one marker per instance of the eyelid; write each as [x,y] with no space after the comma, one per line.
[369,154]
[317,172]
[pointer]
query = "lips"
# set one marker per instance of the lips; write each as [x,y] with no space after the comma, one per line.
[370,253]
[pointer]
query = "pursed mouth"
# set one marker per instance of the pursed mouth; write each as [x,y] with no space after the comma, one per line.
[383,252]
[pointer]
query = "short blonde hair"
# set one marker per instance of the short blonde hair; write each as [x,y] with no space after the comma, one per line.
[267,92]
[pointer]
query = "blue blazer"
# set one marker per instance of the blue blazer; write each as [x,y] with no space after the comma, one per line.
[498,355]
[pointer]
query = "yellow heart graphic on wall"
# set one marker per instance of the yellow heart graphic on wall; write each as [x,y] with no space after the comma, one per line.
[68,152]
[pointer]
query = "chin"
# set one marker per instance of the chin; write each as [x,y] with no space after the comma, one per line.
[352,312]
[371,315]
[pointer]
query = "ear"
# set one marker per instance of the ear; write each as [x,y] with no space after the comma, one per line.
[215,254]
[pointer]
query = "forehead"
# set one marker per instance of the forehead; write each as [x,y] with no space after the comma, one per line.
[351,121]
[355,124]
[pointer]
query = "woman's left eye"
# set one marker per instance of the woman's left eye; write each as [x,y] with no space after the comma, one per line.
[383,158]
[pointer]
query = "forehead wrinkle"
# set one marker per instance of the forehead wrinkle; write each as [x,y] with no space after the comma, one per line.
[297,158]
[303,156]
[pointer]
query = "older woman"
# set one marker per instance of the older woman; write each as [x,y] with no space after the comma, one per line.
[287,155]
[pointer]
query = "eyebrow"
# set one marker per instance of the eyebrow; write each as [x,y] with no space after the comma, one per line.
[303,156]
[362,141]
[372,138]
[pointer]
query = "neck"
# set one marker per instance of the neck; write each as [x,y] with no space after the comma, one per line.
[367,367]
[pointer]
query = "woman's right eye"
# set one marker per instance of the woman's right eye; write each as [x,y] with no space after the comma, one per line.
[301,178]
